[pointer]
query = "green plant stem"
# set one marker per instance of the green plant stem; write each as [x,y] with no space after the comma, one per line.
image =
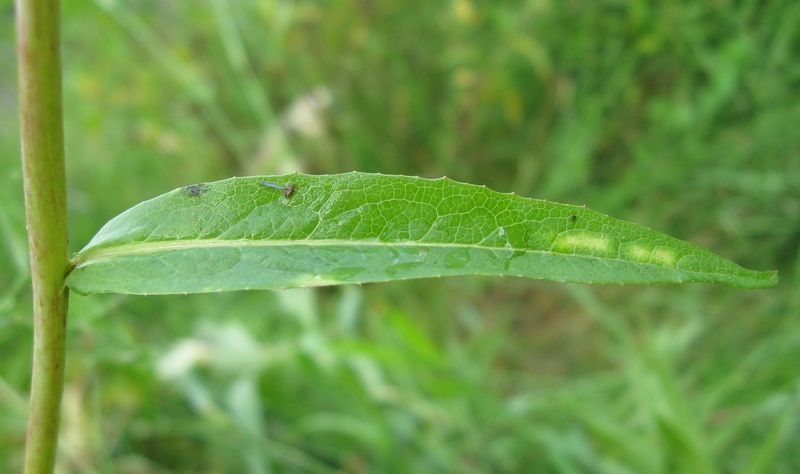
[39,57]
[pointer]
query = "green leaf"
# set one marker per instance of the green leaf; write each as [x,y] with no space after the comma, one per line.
[357,228]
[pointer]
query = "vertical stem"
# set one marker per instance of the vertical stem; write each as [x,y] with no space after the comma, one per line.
[39,62]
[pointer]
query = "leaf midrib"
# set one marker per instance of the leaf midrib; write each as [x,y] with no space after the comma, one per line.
[145,248]
[148,248]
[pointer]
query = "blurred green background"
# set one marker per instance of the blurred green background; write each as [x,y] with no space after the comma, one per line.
[681,116]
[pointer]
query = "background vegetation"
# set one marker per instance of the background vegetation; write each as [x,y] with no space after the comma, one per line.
[681,116]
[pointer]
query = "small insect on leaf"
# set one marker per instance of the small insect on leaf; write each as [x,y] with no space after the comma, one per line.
[288,190]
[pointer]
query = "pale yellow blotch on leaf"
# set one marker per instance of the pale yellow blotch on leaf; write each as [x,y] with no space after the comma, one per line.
[639,253]
[662,256]
[572,242]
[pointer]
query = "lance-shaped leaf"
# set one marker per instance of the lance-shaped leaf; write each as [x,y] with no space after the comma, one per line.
[356,228]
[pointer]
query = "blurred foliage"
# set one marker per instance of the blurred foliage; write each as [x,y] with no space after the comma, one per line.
[678,115]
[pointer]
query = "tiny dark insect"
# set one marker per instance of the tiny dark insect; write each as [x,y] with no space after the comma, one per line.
[287,190]
[573,218]
[195,190]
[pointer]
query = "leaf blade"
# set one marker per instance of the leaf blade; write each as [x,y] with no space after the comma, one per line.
[359,228]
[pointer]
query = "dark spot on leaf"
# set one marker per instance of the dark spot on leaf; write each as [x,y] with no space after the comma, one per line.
[573,218]
[195,190]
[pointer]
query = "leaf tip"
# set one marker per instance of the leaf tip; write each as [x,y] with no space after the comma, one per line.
[759,280]
[773,279]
